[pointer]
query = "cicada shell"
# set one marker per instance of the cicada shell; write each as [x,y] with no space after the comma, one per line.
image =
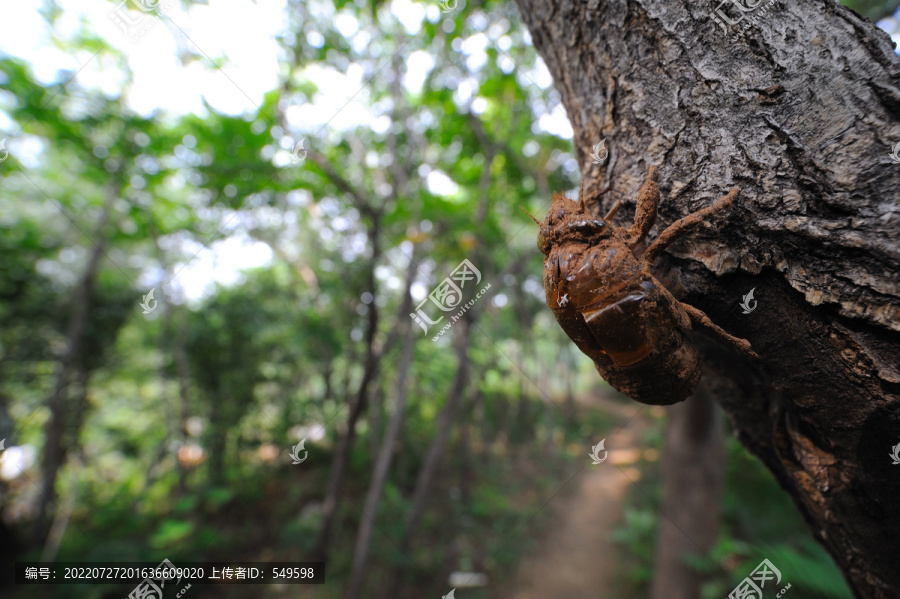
[613,309]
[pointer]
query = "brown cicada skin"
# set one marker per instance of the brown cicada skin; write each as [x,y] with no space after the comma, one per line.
[609,304]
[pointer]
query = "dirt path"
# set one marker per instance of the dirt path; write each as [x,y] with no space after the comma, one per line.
[576,557]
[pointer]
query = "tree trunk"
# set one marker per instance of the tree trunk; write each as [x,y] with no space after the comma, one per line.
[373,359]
[182,372]
[375,416]
[171,342]
[799,112]
[436,450]
[569,372]
[382,465]
[693,471]
[331,503]
[219,429]
[63,516]
[55,449]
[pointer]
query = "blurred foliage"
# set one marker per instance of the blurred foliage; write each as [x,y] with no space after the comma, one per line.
[873,9]
[758,521]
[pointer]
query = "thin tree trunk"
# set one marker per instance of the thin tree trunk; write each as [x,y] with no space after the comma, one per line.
[484,429]
[182,370]
[550,406]
[693,471]
[172,415]
[799,113]
[382,465]
[331,503]
[63,517]
[464,455]
[568,363]
[520,429]
[71,442]
[327,380]
[218,443]
[436,450]
[55,449]
[171,341]
[333,497]
[549,441]
[375,415]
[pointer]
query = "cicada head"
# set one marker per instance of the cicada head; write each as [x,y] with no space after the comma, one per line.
[569,221]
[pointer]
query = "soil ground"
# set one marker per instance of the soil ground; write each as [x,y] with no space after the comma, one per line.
[576,558]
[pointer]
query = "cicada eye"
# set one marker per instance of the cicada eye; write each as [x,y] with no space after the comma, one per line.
[541,242]
[587,226]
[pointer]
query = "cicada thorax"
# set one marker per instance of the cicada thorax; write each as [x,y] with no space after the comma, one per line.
[608,303]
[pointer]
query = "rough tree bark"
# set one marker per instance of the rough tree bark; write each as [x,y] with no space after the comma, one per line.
[799,112]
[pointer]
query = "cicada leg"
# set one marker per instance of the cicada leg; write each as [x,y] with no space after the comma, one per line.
[645,212]
[673,231]
[700,317]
